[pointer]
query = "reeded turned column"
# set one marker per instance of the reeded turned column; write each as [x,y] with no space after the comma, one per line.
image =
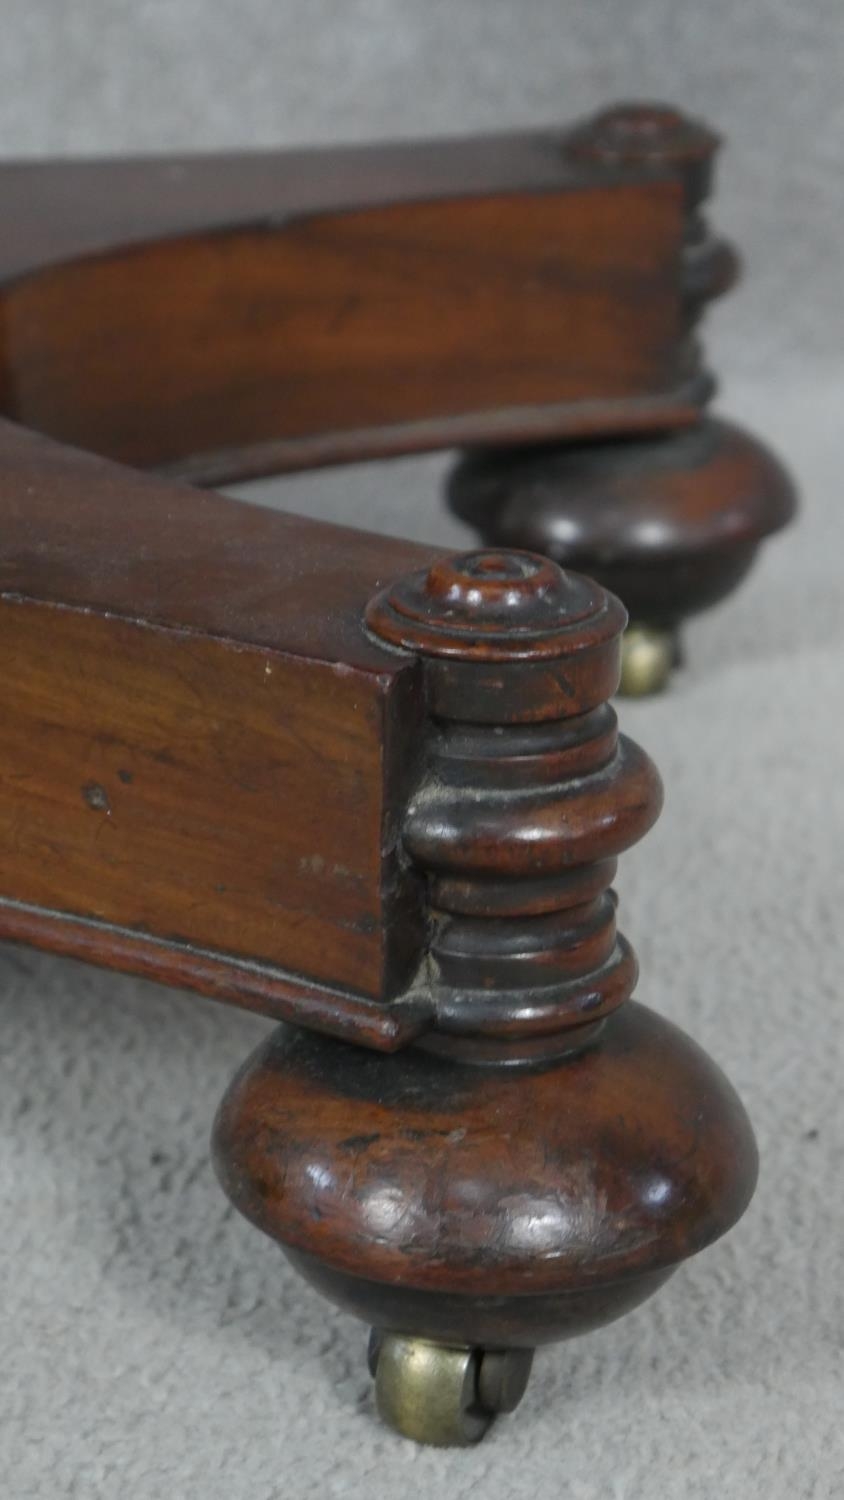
[547,1151]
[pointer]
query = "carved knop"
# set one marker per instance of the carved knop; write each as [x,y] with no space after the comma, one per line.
[495,606]
[527,797]
[648,133]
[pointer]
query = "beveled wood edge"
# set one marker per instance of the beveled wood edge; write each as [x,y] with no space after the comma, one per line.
[503,427]
[261,988]
[86,205]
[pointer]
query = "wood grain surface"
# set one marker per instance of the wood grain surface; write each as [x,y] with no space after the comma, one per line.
[200,745]
[227,317]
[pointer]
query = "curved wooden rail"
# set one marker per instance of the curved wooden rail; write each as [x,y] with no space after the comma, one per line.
[229,316]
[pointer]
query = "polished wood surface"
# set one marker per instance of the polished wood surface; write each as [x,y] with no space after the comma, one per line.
[80,531]
[526,795]
[218,743]
[420,1172]
[671,523]
[399,317]
[227,317]
[61,211]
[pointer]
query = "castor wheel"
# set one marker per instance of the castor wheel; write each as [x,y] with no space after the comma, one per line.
[443,1396]
[648,656]
[670,523]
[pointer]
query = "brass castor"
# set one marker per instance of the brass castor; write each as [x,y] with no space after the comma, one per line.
[443,1396]
[649,653]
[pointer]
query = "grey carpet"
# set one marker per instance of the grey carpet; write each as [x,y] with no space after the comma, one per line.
[152,1344]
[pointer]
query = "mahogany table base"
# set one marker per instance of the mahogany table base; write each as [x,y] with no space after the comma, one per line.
[358,785]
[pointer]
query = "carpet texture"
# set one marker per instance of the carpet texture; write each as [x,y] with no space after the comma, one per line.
[152,1343]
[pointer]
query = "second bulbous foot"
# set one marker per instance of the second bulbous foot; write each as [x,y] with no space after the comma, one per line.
[670,523]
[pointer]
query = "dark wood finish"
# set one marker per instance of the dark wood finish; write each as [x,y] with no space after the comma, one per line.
[225,317]
[296,338]
[527,795]
[488,1206]
[546,1154]
[671,520]
[220,745]
[235,316]
[670,523]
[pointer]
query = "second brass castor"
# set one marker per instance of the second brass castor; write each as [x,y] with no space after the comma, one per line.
[648,657]
[444,1396]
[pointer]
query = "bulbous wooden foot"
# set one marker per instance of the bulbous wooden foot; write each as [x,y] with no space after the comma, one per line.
[467,1208]
[671,524]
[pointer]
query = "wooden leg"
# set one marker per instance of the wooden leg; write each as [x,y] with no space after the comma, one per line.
[538,1161]
[669,523]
